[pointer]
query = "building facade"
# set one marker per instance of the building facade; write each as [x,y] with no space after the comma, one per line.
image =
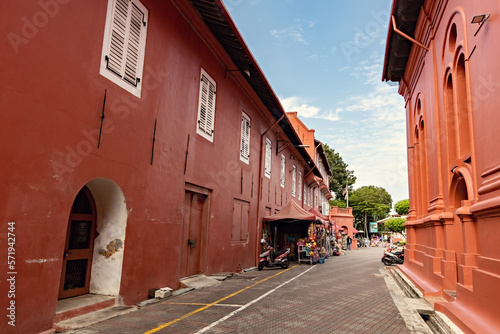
[140,142]
[443,55]
[317,188]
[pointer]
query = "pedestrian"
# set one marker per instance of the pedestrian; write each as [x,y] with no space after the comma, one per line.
[349,241]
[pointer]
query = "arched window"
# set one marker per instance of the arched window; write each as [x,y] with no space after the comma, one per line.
[451,131]
[462,108]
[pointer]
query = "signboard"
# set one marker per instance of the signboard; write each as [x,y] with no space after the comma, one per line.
[373,227]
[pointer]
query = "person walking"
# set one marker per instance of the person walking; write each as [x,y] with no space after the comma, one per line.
[349,241]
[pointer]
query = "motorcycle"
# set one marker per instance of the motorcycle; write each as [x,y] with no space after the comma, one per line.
[391,256]
[270,258]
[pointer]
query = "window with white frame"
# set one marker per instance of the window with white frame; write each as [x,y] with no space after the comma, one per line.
[294,180]
[124,44]
[267,164]
[245,138]
[300,186]
[206,107]
[282,175]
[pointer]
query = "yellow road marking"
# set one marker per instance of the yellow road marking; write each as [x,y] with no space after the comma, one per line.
[203,304]
[187,315]
[198,304]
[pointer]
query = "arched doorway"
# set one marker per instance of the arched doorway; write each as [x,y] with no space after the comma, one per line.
[79,246]
[97,247]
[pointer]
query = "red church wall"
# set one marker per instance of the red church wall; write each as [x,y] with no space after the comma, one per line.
[452,162]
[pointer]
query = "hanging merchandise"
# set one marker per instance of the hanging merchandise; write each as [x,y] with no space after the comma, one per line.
[311,232]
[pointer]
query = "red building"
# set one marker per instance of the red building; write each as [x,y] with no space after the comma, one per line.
[443,55]
[141,143]
[317,188]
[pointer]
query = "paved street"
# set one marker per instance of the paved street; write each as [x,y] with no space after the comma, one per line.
[346,294]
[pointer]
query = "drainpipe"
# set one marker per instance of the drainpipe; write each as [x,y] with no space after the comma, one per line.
[259,192]
[399,32]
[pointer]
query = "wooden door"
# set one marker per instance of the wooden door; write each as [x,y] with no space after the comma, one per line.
[77,260]
[194,215]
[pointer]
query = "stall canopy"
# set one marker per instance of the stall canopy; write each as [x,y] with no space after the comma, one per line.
[324,219]
[291,212]
[355,231]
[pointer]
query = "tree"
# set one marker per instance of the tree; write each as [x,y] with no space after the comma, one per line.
[370,202]
[402,207]
[395,225]
[339,203]
[342,177]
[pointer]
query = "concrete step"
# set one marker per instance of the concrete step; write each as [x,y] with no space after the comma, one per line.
[199,282]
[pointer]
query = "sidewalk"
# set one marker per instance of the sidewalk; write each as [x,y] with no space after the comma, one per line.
[346,294]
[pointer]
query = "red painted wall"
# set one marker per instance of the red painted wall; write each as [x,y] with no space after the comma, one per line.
[51,102]
[454,162]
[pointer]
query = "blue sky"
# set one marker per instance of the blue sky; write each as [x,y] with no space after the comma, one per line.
[324,59]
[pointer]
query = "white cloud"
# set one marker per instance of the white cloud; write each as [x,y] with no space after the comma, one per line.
[317,56]
[294,32]
[303,109]
[295,103]
[371,137]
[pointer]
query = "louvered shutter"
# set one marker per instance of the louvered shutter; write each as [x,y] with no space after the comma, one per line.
[282,176]
[267,165]
[206,112]
[118,37]
[124,44]
[245,138]
[202,120]
[124,50]
[300,186]
[133,45]
[294,180]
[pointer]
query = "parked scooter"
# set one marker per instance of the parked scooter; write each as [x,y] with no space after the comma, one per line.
[270,258]
[396,256]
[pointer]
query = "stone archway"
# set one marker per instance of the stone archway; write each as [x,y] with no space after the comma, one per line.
[461,193]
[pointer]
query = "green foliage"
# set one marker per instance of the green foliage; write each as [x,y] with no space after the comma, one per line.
[370,203]
[342,177]
[339,203]
[395,225]
[402,207]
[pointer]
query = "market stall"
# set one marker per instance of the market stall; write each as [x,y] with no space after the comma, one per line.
[327,226]
[302,231]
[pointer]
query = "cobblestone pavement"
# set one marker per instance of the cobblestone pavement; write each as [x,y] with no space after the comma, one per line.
[346,294]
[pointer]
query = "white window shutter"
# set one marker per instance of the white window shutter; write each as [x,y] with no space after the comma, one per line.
[300,186]
[267,168]
[206,109]
[294,180]
[282,176]
[118,37]
[202,120]
[245,138]
[133,45]
[124,44]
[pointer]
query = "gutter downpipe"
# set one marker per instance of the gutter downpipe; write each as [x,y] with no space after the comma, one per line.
[399,32]
[262,152]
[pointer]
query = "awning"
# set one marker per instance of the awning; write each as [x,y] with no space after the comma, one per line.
[312,180]
[291,212]
[321,217]
[354,230]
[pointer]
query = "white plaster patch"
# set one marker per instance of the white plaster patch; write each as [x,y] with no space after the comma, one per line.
[111,225]
[41,260]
